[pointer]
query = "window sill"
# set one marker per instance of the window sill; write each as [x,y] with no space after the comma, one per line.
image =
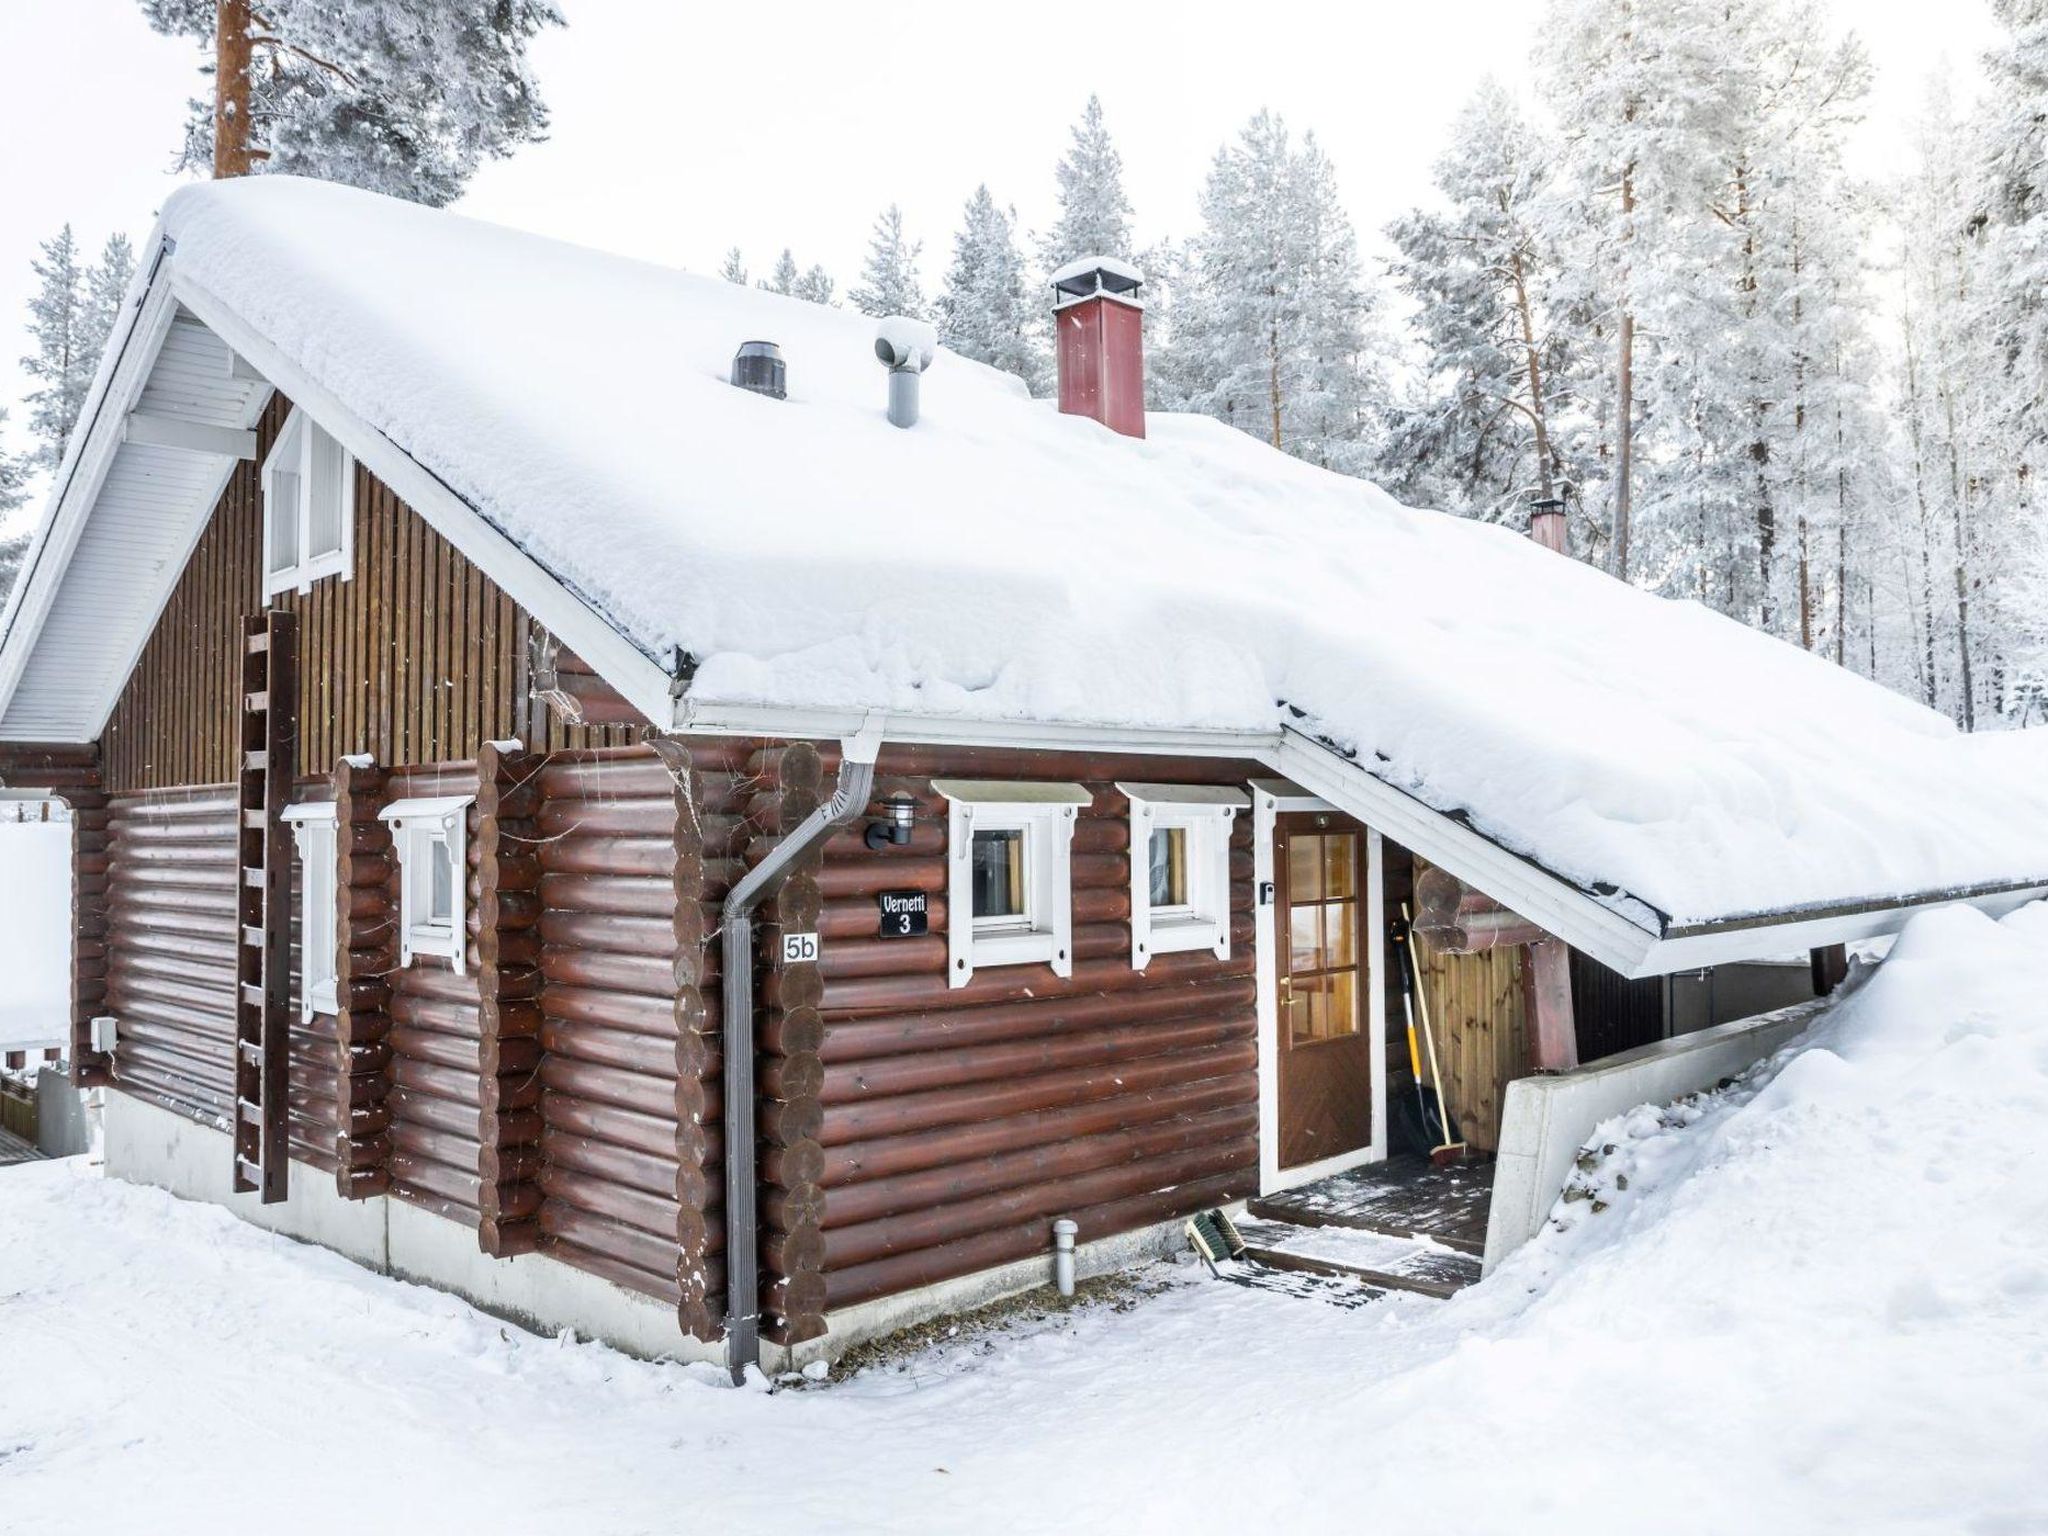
[1174,935]
[325,997]
[1013,948]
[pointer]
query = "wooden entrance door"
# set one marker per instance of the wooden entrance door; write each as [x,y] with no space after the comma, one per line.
[1320,866]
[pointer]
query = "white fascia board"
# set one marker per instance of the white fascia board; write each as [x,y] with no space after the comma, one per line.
[694,718]
[1571,914]
[1760,939]
[643,682]
[124,370]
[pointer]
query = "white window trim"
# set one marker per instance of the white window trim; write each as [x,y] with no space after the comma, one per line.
[417,826]
[1045,813]
[1206,813]
[294,439]
[313,830]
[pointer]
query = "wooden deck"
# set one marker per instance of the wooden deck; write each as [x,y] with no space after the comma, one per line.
[14,1150]
[1401,1224]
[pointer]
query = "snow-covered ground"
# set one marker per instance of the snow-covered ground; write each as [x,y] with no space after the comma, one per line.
[1817,1301]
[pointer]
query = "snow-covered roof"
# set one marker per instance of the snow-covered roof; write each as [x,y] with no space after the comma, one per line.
[1002,562]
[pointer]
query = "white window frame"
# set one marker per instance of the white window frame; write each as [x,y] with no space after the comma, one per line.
[313,828]
[1045,813]
[419,830]
[293,453]
[1205,813]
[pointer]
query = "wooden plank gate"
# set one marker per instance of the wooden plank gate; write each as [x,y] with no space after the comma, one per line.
[263,993]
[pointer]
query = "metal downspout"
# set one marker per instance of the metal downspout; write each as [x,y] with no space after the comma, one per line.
[736,930]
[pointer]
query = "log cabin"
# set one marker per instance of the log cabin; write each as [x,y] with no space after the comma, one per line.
[677,813]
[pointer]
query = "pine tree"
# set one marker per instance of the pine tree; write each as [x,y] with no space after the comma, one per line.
[782,278]
[1095,215]
[406,97]
[734,268]
[889,282]
[1480,435]
[11,552]
[1273,331]
[815,286]
[62,362]
[985,311]
[106,285]
[14,474]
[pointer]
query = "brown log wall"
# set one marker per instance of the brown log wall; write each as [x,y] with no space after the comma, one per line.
[633,851]
[435,1099]
[417,658]
[170,966]
[953,1125]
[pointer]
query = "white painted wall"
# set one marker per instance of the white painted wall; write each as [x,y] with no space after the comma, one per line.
[35,931]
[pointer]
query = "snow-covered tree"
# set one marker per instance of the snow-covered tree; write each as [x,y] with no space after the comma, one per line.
[1478,433]
[74,310]
[782,277]
[889,284]
[734,268]
[106,285]
[815,286]
[1273,330]
[62,360]
[14,474]
[406,97]
[1095,215]
[985,310]
[11,551]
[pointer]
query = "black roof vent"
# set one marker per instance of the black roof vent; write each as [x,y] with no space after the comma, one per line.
[758,366]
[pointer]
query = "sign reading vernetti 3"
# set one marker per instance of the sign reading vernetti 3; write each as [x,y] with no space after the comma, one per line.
[903,913]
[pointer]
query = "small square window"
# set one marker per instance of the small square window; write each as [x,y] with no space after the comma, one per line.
[432,840]
[999,876]
[1180,867]
[312,827]
[308,507]
[1008,874]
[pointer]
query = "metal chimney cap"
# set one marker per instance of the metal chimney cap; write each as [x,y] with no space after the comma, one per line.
[758,366]
[1087,276]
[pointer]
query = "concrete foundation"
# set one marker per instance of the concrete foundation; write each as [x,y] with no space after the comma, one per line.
[146,1144]
[1547,1119]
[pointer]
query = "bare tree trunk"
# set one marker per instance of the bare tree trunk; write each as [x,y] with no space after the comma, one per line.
[1625,386]
[1928,691]
[1273,379]
[1805,589]
[1537,414]
[1957,490]
[231,89]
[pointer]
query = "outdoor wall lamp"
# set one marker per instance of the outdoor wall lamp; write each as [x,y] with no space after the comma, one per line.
[899,814]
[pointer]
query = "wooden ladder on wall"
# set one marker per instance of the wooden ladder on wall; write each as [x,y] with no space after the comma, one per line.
[263,958]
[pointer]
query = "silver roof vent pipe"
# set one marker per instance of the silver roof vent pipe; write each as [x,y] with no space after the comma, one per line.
[758,366]
[906,348]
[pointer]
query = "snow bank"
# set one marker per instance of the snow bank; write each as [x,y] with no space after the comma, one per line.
[35,930]
[1820,1303]
[1004,562]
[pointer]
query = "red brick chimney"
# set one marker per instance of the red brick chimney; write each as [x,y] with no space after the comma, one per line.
[1100,322]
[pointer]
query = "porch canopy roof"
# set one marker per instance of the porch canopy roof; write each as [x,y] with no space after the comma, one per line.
[1001,571]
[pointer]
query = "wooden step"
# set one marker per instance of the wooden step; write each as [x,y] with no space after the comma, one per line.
[259,643]
[1388,1263]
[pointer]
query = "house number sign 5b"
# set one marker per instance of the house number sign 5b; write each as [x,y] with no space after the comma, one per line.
[798,948]
[904,913]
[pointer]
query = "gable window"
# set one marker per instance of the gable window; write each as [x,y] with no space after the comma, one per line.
[1008,884]
[312,827]
[432,840]
[309,506]
[1180,867]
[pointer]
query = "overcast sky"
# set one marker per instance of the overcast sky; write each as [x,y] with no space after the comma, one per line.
[681,129]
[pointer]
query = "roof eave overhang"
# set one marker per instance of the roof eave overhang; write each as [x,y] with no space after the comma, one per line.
[124,369]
